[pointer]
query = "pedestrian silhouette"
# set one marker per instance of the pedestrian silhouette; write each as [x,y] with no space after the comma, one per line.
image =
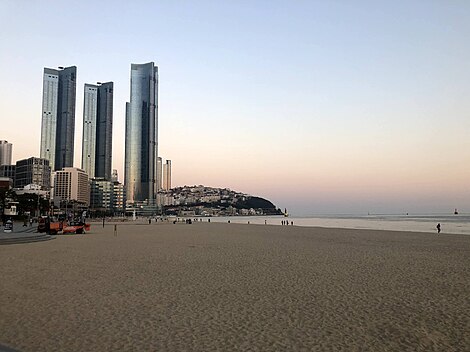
[438,227]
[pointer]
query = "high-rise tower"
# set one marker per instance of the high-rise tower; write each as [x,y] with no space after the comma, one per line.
[159,173]
[97,130]
[141,134]
[166,185]
[58,116]
[90,112]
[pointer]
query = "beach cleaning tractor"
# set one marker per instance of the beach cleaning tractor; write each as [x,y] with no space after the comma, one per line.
[77,227]
[53,226]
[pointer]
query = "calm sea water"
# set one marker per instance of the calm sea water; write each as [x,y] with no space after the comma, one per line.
[454,224]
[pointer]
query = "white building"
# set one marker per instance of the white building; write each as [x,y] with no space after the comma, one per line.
[5,153]
[165,199]
[32,189]
[71,183]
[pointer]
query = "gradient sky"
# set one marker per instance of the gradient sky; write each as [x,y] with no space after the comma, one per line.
[320,106]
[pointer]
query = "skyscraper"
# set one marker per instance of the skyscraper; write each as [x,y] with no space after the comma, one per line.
[5,153]
[58,116]
[141,134]
[167,176]
[159,173]
[97,130]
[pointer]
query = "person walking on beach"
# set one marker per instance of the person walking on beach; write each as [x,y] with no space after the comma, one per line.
[438,227]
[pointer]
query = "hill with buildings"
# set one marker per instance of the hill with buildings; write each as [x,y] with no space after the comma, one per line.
[210,201]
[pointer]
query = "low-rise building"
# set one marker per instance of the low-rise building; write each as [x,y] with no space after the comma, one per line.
[71,184]
[33,171]
[5,183]
[107,196]
[32,189]
[101,194]
[8,171]
[119,197]
[165,199]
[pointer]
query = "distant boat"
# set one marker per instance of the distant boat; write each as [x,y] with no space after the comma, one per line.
[456,212]
[286,214]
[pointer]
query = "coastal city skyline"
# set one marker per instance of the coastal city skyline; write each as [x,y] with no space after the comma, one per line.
[319,114]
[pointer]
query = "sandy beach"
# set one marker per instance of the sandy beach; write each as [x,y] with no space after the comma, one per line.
[233,287]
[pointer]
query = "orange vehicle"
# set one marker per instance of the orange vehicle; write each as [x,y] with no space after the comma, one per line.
[76,227]
[50,225]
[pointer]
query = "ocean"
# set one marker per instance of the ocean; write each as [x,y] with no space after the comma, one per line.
[450,224]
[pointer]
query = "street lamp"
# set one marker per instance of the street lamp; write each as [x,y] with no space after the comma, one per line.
[39,212]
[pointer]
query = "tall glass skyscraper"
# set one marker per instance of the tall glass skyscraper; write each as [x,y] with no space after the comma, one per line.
[58,116]
[90,111]
[141,134]
[97,140]
[50,89]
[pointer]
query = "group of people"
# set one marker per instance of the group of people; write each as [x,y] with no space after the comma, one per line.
[286,222]
[25,222]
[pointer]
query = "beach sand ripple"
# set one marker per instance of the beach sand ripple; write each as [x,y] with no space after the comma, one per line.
[221,287]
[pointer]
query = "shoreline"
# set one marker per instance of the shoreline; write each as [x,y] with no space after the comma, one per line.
[96,222]
[145,222]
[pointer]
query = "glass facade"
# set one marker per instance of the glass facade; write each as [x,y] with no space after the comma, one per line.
[141,134]
[58,116]
[97,140]
[104,131]
[66,118]
[90,103]
[8,171]
[50,90]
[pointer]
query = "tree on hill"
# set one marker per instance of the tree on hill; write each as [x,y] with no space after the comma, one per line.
[255,203]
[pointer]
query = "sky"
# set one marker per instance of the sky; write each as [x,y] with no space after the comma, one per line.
[322,107]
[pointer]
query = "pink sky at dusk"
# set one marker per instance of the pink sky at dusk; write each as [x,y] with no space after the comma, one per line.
[318,107]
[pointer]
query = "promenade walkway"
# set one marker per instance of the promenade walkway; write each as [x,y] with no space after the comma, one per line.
[22,234]
[7,349]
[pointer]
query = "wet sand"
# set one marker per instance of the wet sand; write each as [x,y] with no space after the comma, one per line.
[232,287]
